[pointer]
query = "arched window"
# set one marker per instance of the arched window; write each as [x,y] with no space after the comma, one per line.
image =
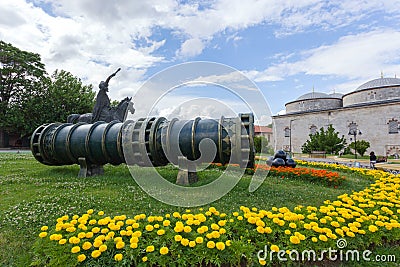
[393,126]
[287,131]
[313,129]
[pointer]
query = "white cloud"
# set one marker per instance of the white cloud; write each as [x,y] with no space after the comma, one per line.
[191,48]
[360,56]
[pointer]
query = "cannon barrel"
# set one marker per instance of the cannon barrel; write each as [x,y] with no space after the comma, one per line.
[147,141]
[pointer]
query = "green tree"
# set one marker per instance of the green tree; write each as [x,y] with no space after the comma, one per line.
[362,146]
[328,141]
[22,76]
[259,141]
[29,97]
[67,95]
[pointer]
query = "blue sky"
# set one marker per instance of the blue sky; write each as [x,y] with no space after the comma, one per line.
[287,47]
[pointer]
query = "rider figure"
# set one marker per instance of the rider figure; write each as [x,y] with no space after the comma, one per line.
[102,106]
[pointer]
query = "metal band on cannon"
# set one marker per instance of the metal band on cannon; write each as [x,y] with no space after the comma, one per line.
[151,142]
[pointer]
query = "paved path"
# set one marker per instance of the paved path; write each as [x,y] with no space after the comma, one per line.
[15,151]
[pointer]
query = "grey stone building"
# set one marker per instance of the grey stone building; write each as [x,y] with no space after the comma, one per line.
[373,110]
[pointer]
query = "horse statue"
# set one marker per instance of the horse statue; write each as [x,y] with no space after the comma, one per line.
[107,114]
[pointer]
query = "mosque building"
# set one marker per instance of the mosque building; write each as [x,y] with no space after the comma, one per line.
[371,113]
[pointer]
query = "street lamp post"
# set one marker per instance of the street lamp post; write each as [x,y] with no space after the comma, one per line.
[290,137]
[354,133]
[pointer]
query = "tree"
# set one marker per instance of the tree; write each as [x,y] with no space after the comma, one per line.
[258,142]
[67,95]
[328,141]
[362,146]
[22,76]
[29,97]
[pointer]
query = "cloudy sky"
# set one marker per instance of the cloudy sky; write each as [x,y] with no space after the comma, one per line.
[286,47]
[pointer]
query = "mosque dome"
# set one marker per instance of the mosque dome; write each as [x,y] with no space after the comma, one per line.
[378,83]
[374,91]
[312,95]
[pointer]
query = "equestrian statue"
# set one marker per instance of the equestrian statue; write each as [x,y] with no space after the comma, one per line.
[102,110]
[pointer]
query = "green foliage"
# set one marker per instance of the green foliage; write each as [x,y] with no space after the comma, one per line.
[328,141]
[22,76]
[29,97]
[360,147]
[259,143]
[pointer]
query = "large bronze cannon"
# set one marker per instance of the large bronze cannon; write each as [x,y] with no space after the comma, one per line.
[145,142]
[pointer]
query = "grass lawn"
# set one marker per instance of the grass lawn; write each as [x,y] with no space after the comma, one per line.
[33,195]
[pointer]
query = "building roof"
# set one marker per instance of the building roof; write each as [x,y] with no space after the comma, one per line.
[313,95]
[380,82]
[262,129]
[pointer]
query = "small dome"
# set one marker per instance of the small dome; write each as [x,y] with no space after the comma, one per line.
[313,95]
[380,82]
[336,95]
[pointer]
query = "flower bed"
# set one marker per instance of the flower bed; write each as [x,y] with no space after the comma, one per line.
[330,178]
[210,236]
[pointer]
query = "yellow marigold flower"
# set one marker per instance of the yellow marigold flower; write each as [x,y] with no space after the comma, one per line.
[212,209]
[97,243]
[96,230]
[75,249]
[335,224]
[118,239]
[118,257]
[90,211]
[251,220]
[149,227]
[199,240]
[192,244]
[351,234]
[235,213]
[260,223]
[215,234]
[81,257]
[239,218]
[164,250]
[187,229]
[86,245]
[267,230]
[287,232]
[314,239]
[274,248]
[144,259]
[62,241]
[161,232]
[81,235]
[339,231]
[135,225]
[120,245]
[294,239]
[262,262]
[323,238]
[372,228]
[166,223]
[89,235]
[228,243]
[292,225]
[44,228]
[178,238]
[281,223]
[210,244]
[260,229]
[220,245]
[176,214]
[96,253]
[150,249]
[185,242]
[134,245]
[43,234]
